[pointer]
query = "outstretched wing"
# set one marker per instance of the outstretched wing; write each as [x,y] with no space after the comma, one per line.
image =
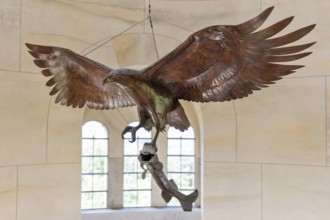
[225,62]
[77,79]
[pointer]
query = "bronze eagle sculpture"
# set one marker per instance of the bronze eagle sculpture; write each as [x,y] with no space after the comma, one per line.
[217,63]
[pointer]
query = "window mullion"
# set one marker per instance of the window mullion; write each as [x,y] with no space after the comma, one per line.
[94,194]
[136,193]
[184,177]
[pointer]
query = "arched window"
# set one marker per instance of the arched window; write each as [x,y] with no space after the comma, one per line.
[94,187]
[136,191]
[181,160]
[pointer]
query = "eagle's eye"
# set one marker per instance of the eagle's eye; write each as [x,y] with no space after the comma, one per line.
[108,79]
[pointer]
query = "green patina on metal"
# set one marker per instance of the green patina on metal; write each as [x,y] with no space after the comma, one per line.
[161,102]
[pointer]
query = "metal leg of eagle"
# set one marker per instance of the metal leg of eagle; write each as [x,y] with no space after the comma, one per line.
[143,118]
[148,119]
[149,162]
[133,130]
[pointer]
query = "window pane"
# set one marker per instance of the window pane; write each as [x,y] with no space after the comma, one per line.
[100,182]
[173,164]
[174,202]
[100,165]
[94,183]
[87,183]
[130,198]
[130,181]
[87,147]
[176,177]
[181,160]
[134,185]
[130,164]
[99,200]
[143,133]
[87,165]
[188,147]
[94,200]
[100,147]
[94,129]
[144,183]
[86,200]
[187,164]
[175,133]
[173,147]
[144,198]
[130,148]
[141,142]
[187,181]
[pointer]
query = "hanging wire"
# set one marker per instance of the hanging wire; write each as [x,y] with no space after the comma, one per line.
[106,40]
[177,26]
[152,30]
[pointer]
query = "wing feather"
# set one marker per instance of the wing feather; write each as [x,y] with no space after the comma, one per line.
[254,23]
[290,50]
[268,32]
[77,80]
[289,38]
[225,62]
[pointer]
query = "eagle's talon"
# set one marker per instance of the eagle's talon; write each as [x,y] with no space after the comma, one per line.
[132,130]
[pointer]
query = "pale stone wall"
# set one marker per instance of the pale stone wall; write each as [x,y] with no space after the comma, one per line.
[263,158]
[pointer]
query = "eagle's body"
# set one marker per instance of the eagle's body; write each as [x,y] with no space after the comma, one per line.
[217,63]
[156,105]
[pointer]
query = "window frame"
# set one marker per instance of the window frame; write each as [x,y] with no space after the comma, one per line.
[93,174]
[138,144]
[181,139]
[116,163]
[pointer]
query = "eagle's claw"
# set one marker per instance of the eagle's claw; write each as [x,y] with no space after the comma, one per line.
[132,130]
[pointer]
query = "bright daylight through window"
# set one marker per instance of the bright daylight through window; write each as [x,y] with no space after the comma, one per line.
[137,191]
[181,160]
[94,186]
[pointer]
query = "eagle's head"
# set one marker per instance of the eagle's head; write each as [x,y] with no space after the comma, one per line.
[120,75]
